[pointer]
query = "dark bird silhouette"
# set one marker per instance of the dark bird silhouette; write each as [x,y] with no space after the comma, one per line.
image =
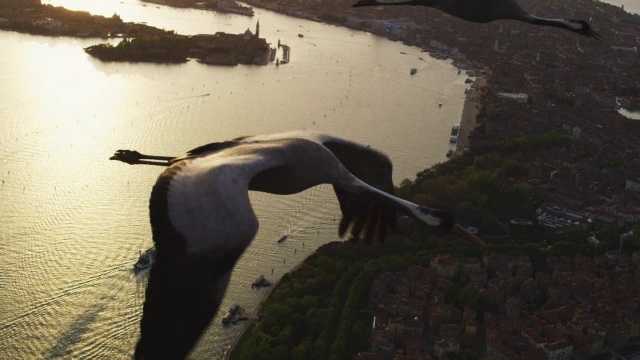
[483,11]
[202,220]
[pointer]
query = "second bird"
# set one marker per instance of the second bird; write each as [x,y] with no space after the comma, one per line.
[483,11]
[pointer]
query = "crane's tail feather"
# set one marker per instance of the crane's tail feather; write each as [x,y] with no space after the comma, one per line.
[370,226]
[358,224]
[365,215]
[369,222]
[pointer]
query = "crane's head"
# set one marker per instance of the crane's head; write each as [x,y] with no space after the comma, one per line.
[445,221]
[583,28]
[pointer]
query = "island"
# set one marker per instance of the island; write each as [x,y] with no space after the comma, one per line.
[227,6]
[217,49]
[141,43]
[32,17]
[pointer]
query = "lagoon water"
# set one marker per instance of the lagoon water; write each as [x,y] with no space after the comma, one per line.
[72,222]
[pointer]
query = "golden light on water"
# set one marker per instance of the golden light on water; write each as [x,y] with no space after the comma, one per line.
[68,94]
[73,221]
[103,7]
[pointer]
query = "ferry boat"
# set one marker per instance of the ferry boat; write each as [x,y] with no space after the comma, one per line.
[228,317]
[260,282]
[454,133]
[146,259]
[236,313]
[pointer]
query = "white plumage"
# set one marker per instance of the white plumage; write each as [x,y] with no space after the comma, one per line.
[202,219]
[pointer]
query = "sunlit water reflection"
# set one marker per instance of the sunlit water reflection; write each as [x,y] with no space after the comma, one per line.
[72,222]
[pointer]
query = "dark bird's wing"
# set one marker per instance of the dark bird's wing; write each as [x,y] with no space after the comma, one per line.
[202,221]
[362,212]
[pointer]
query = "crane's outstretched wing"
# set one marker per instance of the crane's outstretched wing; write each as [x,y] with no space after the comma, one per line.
[362,212]
[202,222]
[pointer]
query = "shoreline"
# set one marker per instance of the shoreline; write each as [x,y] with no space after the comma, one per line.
[468,122]
[470,110]
[254,315]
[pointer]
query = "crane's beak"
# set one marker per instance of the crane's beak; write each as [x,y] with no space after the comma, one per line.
[592,33]
[466,235]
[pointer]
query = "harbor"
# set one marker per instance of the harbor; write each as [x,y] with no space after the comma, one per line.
[468,119]
[286,52]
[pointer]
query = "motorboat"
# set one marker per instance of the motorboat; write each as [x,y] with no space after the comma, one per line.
[260,282]
[454,133]
[145,259]
[236,313]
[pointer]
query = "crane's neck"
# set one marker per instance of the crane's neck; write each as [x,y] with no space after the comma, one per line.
[559,23]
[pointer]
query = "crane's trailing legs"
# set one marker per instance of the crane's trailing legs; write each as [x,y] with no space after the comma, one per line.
[133,157]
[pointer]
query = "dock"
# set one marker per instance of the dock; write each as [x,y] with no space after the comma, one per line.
[286,53]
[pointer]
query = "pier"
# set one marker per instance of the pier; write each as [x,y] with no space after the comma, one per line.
[286,54]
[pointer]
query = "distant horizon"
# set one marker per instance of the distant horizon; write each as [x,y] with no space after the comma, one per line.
[630,6]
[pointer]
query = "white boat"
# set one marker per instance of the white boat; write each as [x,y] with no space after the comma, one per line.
[283,238]
[228,317]
[454,133]
[146,259]
[261,281]
[236,313]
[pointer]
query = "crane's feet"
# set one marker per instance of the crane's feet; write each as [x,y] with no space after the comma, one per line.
[128,156]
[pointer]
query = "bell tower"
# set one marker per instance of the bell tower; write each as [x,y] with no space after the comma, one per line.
[258,30]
